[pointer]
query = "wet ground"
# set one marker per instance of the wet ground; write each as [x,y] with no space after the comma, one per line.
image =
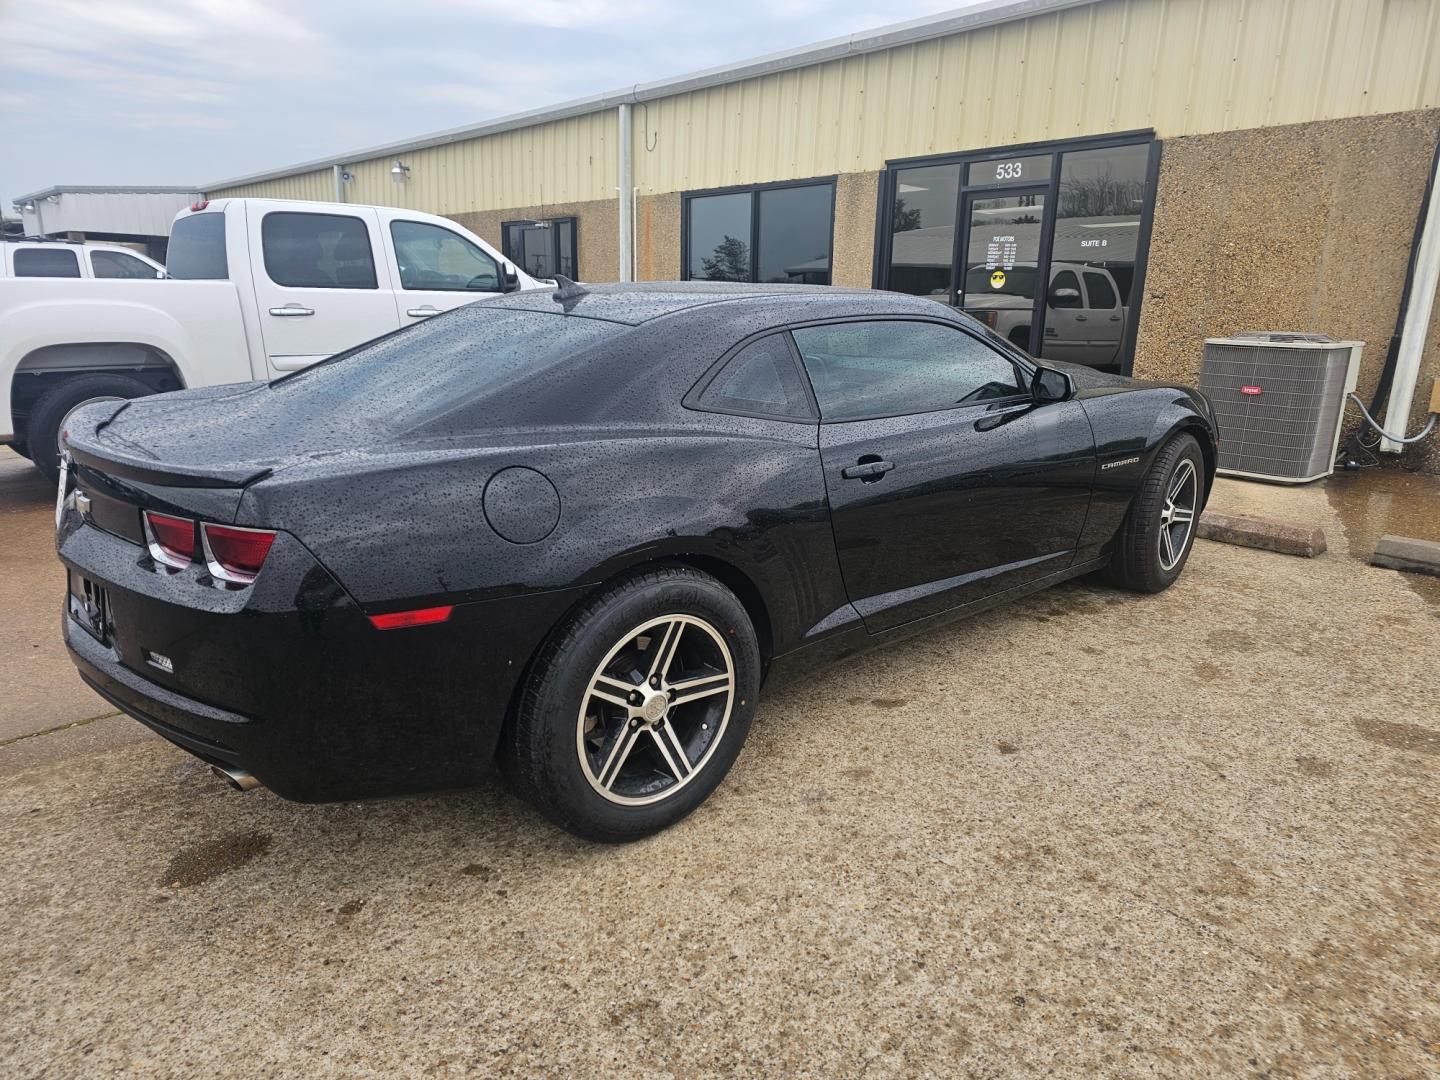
[1189,834]
[1372,503]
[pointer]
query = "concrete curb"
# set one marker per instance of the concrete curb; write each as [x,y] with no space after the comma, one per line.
[1263,533]
[1403,553]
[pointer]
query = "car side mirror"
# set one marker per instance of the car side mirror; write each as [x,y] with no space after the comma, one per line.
[1050,385]
[1062,297]
[509,280]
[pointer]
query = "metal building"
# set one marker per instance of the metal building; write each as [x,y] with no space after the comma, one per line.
[134,215]
[1106,181]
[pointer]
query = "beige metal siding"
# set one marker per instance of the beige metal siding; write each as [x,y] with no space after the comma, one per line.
[1180,66]
[315,186]
[561,162]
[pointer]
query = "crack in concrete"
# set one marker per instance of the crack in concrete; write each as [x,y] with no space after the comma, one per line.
[61,727]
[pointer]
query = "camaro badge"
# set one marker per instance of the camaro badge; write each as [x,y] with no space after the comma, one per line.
[1122,461]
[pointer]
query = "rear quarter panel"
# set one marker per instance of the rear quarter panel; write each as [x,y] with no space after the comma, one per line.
[410,528]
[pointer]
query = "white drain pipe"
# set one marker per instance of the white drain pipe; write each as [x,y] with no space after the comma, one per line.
[1417,321]
[627,195]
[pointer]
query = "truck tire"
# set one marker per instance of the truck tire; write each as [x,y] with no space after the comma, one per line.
[48,416]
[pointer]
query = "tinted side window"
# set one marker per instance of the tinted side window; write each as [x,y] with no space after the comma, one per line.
[759,380]
[197,248]
[113,264]
[46,262]
[434,258]
[1065,279]
[317,251]
[890,368]
[1101,294]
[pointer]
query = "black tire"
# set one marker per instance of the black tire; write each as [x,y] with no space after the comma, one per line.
[1137,562]
[541,751]
[1020,338]
[55,404]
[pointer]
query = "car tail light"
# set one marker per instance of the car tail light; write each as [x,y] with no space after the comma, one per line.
[171,540]
[234,554]
[395,620]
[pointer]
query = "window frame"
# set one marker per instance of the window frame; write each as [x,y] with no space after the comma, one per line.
[886,190]
[573,221]
[753,190]
[369,239]
[692,400]
[395,249]
[47,250]
[1024,366]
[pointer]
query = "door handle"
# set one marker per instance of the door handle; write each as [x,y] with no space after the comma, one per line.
[1082,318]
[292,310]
[1114,318]
[869,471]
[422,312]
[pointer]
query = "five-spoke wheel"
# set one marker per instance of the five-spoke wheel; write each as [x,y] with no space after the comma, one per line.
[637,706]
[656,708]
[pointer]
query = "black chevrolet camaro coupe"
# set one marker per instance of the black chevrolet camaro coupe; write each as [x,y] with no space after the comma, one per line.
[576,532]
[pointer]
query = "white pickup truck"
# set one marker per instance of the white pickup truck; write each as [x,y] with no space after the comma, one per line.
[32,257]
[256,287]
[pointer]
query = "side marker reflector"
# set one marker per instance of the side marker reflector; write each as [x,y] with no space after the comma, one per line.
[395,620]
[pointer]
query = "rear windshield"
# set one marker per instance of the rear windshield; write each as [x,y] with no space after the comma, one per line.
[473,368]
[197,248]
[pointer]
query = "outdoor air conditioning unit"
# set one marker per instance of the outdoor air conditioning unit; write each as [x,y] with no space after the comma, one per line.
[1279,399]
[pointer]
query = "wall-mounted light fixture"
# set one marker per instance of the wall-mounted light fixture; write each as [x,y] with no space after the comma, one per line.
[399,172]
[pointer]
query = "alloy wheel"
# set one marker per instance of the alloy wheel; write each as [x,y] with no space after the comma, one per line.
[1177,516]
[655,709]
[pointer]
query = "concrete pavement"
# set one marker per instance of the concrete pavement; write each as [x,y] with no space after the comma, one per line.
[1190,834]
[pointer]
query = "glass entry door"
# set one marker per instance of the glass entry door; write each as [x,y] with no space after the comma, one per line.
[1001,251]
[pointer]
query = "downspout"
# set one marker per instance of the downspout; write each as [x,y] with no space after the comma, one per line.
[339,174]
[1418,301]
[626,194]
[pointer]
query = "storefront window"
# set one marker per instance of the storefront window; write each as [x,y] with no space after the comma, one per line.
[541,248]
[1050,244]
[922,222]
[779,233]
[1097,231]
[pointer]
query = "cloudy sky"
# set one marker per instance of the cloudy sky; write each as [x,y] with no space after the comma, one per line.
[192,91]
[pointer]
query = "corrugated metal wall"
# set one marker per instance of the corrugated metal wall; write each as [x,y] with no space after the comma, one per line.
[1179,66]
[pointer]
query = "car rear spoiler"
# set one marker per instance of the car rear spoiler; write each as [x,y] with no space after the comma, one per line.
[114,461]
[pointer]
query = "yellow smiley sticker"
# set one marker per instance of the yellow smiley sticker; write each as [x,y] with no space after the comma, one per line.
[997,279]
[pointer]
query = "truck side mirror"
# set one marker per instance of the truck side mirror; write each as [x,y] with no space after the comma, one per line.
[509,280]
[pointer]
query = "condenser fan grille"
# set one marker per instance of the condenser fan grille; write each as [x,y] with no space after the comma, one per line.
[1278,404]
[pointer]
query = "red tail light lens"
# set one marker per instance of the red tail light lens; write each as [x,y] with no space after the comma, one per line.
[171,540]
[235,554]
[418,617]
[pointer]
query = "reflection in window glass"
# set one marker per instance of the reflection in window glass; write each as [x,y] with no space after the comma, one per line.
[923,230]
[1097,230]
[719,232]
[541,248]
[761,379]
[116,264]
[434,258]
[1001,255]
[317,251]
[46,262]
[892,368]
[795,234]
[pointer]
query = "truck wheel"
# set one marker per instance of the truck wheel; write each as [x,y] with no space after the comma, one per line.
[47,418]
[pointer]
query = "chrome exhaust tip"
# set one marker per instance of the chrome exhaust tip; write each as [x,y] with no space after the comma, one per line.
[239,779]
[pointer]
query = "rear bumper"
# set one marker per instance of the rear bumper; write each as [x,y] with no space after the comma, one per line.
[288,680]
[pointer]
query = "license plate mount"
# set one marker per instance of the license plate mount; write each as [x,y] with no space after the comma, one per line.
[90,607]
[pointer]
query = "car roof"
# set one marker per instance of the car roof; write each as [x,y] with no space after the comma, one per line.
[633,303]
